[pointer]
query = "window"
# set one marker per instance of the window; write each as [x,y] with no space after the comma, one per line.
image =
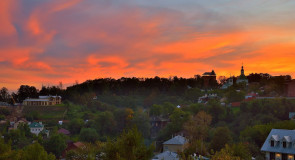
[284,144]
[272,143]
[165,148]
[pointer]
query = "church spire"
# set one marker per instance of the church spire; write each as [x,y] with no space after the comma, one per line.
[242,70]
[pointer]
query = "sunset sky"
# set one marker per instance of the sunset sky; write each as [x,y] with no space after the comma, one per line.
[48,41]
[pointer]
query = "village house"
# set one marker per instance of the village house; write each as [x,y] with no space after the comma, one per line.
[37,128]
[64,132]
[290,89]
[279,145]
[175,144]
[42,101]
[208,78]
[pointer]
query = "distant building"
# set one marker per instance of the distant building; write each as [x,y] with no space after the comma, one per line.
[292,115]
[228,83]
[37,128]
[64,131]
[72,146]
[290,89]
[207,97]
[242,78]
[279,145]
[157,123]
[14,125]
[167,155]
[209,78]
[175,144]
[42,101]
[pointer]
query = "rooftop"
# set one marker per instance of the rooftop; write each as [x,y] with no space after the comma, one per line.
[176,140]
[168,155]
[280,135]
[36,125]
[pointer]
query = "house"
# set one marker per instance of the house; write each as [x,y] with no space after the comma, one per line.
[157,123]
[292,115]
[251,95]
[14,125]
[279,145]
[36,128]
[290,89]
[167,155]
[42,101]
[209,77]
[228,83]
[175,144]
[63,131]
[72,146]
[206,98]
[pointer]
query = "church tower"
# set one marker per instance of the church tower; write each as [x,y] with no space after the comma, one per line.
[242,71]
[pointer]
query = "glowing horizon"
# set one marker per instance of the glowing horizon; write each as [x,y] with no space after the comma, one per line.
[45,42]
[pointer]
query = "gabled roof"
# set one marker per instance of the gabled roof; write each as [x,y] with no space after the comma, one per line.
[63,131]
[176,140]
[288,138]
[168,155]
[275,137]
[36,125]
[280,135]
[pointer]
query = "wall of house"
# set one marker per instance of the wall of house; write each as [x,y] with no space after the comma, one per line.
[172,147]
[36,130]
[291,89]
[278,156]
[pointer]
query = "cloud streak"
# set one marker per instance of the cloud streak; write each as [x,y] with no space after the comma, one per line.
[45,42]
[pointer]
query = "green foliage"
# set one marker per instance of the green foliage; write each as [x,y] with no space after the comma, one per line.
[233,152]
[221,137]
[141,120]
[88,135]
[235,96]
[105,123]
[193,94]
[19,137]
[5,151]
[56,144]
[216,110]
[4,111]
[258,133]
[36,152]
[129,146]
[75,125]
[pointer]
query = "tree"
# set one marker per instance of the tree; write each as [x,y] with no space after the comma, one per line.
[141,120]
[6,152]
[222,136]
[26,91]
[88,135]
[35,151]
[156,110]
[129,145]
[56,144]
[75,125]
[197,130]
[234,96]
[234,152]
[105,123]
[4,95]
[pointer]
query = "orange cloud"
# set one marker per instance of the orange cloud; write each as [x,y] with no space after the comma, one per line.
[54,41]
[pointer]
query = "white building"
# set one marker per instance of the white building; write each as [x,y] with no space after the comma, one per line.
[279,145]
[36,128]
